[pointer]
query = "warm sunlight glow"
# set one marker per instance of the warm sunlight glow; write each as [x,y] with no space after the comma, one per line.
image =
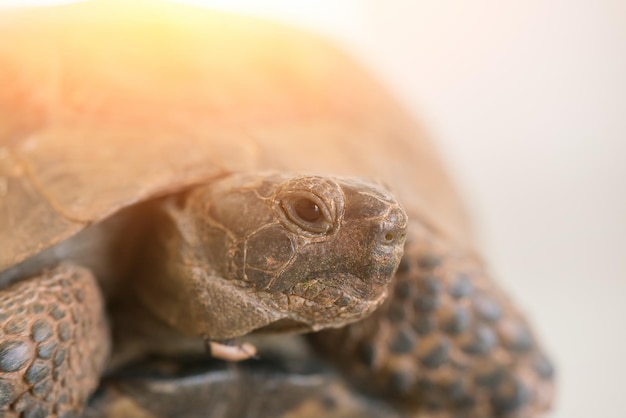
[345,18]
[331,15]
[25,3]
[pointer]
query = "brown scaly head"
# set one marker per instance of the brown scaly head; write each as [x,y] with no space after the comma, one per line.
[273,252]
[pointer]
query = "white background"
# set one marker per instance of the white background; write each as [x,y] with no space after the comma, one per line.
[527,102]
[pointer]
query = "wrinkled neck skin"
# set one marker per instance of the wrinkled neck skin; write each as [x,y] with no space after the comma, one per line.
[270,252]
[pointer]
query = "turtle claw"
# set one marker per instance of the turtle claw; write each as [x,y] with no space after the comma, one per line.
[230,351]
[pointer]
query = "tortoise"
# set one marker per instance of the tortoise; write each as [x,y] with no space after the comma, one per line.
[174,179]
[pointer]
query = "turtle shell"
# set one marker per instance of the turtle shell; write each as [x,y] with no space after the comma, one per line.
[104,105]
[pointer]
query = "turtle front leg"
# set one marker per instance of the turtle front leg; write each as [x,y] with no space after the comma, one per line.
[54,341]
[447,343]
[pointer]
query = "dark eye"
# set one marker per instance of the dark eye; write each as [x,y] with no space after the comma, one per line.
[308,212]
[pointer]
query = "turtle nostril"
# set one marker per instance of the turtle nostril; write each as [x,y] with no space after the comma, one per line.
[393,226]
[392,235]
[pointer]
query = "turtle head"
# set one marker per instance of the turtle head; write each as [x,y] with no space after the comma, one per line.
[272,252]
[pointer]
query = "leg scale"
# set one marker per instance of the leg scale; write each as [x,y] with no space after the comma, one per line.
[448,342]
[54,342]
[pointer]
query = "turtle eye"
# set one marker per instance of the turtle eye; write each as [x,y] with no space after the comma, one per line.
[308,212]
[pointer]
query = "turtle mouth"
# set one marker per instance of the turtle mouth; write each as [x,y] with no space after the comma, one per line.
[330,301]
[339,289]
[285,325]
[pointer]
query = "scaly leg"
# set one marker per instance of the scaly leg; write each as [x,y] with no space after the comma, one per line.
[447,343]
[54,341]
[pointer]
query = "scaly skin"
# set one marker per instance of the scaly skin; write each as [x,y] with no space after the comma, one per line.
[447,343]
[53,344]
[234,256]
[238,254]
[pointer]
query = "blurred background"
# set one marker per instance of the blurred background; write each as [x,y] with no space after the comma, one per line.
[527,104]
